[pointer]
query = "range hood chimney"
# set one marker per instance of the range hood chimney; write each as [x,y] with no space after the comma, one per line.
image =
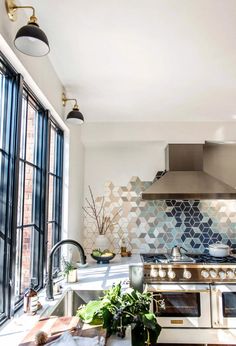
[192,173]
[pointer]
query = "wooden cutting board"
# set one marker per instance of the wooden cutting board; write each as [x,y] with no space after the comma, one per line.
[54,326]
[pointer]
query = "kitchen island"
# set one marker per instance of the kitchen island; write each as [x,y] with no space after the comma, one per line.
[100,277]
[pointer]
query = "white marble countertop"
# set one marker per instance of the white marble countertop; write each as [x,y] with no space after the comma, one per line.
[94,276]
[102,276]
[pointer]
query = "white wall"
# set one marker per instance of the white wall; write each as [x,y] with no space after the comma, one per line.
[118,162]
[41,69]
[47,86]
[76,179]
[116,152]
[159,131]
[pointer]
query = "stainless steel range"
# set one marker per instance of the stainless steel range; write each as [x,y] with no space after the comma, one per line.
[189,268]
[199,290]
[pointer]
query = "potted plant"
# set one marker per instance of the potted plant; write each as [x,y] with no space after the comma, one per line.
[69,271]
[103,220]
[118,309]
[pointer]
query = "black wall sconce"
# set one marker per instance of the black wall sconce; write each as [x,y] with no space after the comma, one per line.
[75,116]
[30,39]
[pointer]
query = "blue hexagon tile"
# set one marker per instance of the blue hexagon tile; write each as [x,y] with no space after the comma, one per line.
[150,226]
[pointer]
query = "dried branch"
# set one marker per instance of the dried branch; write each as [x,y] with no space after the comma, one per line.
[103,222]
[86,211]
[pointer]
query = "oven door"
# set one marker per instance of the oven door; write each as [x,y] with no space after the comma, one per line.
[223,306]
[186,306]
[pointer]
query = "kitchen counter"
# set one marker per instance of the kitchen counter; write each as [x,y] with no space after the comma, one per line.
[94,276]
[102,276]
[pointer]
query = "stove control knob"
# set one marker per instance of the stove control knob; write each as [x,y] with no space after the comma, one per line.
[187,274]
[230,274]
[205,274]
[213,273]
[171,274]
[222,274]
[154,273]
[162,273]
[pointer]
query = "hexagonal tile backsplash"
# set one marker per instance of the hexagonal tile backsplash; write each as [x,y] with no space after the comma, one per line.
[148,226]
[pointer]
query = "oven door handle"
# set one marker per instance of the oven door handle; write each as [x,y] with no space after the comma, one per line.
[181,291]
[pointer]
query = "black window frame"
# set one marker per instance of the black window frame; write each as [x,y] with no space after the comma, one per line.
[57,176]
[10,188]
[38,200]
[9,263]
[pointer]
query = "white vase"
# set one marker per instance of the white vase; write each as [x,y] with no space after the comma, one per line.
[102,242]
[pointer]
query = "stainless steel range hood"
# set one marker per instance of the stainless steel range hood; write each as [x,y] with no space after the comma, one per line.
[193,172]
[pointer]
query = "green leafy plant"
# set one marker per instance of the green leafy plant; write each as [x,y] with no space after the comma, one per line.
[118,309]
[67,266]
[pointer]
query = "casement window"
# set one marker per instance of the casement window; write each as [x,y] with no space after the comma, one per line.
[10,105]
[54,198]
[31,165]
[31,195]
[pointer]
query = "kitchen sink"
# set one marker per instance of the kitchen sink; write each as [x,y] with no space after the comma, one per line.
[68,304]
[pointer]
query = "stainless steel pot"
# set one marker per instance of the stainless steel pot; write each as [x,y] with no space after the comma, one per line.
[219,250]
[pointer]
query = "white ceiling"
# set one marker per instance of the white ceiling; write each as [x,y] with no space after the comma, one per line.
[145,60]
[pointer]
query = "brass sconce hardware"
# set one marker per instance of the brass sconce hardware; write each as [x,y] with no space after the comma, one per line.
[74,116]
[30,39]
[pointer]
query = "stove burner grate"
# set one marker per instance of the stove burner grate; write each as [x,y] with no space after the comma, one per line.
[197,258]
[205,258]
[153,258]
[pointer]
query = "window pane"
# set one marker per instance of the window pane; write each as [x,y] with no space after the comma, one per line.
[55,190]
[18,264]
[36,262]
[2,293]
[2,103]
[23,128]
[31,136]
[26,259]
[28,195]
[52,150]
[3,191]
[49,244]
[51,198]
[30,257]
[9,97]
[20,195]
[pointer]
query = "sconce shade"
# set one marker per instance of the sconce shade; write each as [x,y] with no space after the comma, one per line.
[75,117]
[31,40]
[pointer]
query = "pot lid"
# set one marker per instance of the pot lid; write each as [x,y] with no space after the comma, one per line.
[219,246]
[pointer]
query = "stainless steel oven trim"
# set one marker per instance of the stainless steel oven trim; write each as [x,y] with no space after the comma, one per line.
[218,320]
[204,321]
[189,265]
[186,291]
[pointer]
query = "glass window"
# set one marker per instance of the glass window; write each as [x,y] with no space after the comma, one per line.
[10,84]
[31,165]
[54,189]
[30,229]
